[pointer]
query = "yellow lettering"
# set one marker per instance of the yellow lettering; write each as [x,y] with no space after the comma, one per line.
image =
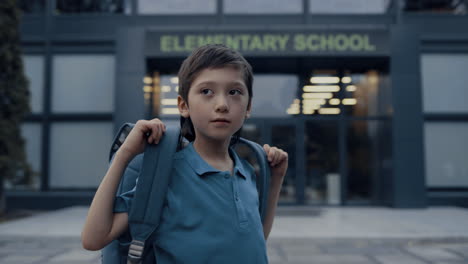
[368,46]
[341,42]
[255,43]
[178,47]
[355,42]
[218,39]
[232,42]
[165,43]
[203,40]
[190,42]
[245,41]
[313,43]
[299,42]
[283,40]
[270,42]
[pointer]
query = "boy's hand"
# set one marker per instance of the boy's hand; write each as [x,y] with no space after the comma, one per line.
[278,160]
[144,131]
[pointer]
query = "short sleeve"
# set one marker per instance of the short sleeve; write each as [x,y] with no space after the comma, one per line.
[123,202]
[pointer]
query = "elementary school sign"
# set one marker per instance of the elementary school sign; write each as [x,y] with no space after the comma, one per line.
[272,43]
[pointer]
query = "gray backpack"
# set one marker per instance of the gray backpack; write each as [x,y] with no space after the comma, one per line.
[151,180]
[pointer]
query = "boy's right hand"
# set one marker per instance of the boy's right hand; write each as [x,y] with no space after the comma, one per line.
[144,131]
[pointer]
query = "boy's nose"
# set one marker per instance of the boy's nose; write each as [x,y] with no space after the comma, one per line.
[221,104]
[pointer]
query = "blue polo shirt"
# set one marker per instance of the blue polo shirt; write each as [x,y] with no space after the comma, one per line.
[209,216]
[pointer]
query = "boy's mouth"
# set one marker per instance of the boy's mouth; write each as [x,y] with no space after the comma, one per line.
[220,120]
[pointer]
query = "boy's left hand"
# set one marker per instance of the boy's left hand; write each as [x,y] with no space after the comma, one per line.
[278,160]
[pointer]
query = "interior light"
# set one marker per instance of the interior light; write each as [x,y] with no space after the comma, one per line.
[175,80]
[170,111]
[346,79]
[165,88]
[309,107]
[308,112]
[351,88]
[329,111]
[169,101]
[321,88]
[317,95]
[325,80]
[292,111]
[349,101]
[147,89]
[319,101]
[177,88]
[147,80]
[334,101]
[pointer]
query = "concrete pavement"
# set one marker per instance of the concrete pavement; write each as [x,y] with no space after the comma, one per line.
[300,235]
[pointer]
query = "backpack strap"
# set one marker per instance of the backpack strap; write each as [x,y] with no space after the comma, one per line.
[263,179]
[151,191]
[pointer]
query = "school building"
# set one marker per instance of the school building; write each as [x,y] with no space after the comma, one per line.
[368,97]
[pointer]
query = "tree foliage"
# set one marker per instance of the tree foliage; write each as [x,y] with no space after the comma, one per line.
[14,98]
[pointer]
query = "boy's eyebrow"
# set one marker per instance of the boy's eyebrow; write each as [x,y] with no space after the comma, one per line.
[212,82]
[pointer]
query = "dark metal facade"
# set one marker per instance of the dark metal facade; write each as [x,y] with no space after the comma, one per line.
[411,34]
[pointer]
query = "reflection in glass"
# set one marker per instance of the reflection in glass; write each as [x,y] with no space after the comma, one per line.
[366,94]
[444,83]
[349,6]
[83,83]
[93,6]
[446,152]
[32,6]
[168,7]
[284,137]
[273,94]
[322,166]
[79,153]
[369,159]
[262,7]
[323,86]
[34,70]
[31,133]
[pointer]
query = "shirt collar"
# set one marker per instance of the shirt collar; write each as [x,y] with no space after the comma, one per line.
[201,167]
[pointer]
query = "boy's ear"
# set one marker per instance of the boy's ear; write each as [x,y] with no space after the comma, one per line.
[183,107]
[249,108]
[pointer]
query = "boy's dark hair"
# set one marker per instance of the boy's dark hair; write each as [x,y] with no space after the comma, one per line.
[210,56]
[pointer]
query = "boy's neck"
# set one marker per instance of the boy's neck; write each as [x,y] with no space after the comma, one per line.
[214,152]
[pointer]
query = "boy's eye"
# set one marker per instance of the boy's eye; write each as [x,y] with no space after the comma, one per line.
[235,91]
[206,91]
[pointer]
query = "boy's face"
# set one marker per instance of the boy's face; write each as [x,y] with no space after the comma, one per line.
[218,103]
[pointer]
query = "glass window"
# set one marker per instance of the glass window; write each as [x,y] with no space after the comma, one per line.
[168,92]
[79,154]
[83,83]
[32,6]
[446,149]
[323,181]
[32,135]
[146,7]
[445,82]
[78,6]
[273,94]
[262,6]
[284,137]
[348,6]
[369,159]
[366,94]
[34,71]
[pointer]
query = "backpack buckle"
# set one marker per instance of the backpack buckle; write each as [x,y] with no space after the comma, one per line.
[135,252]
